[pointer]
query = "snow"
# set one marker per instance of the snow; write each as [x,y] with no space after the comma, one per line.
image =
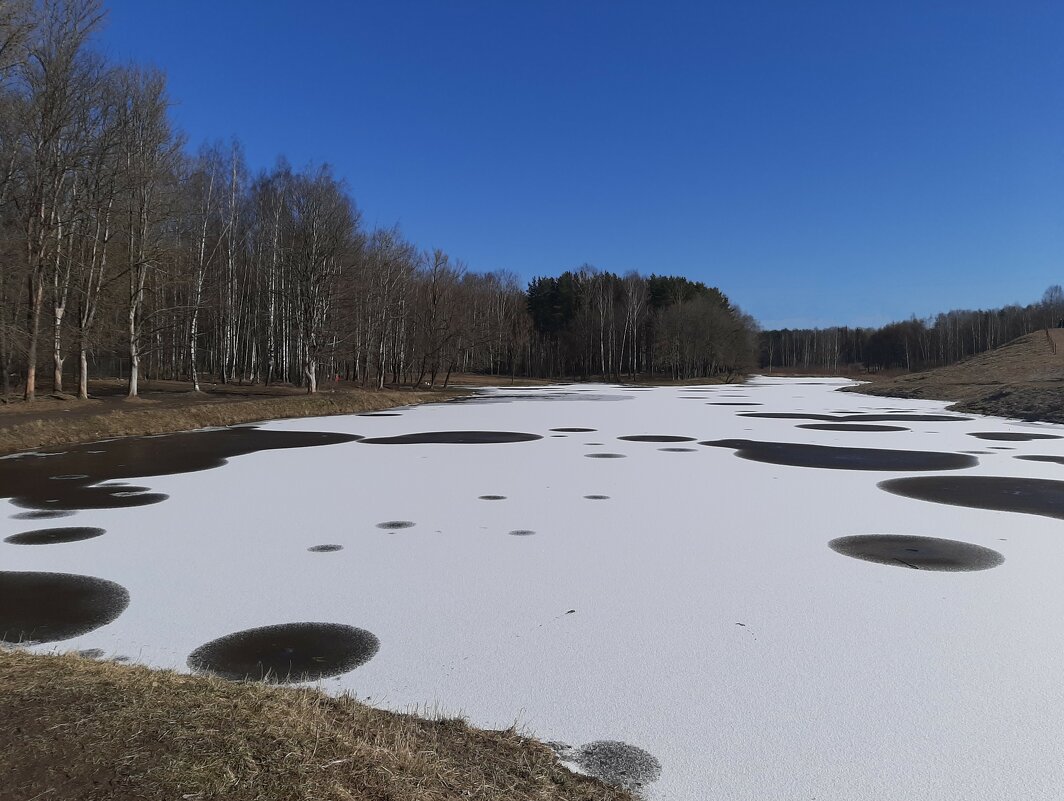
[845,680]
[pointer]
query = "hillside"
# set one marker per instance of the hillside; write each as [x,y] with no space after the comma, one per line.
[1023,379]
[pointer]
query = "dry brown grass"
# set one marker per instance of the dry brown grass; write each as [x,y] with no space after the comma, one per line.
[1023,379]
[52,423]
[74,728]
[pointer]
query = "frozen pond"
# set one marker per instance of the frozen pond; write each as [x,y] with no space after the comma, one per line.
[764,591]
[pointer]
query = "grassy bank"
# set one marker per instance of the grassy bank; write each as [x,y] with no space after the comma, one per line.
[76,728]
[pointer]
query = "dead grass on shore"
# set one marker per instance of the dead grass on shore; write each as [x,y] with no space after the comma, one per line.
[89,421]
[75,728]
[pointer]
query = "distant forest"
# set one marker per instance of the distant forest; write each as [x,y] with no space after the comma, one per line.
[909,345]
[123,253]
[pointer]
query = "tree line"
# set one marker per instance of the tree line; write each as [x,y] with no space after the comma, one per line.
[911,344]
[124,254]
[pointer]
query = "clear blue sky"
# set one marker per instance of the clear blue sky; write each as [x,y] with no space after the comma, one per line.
[842,162]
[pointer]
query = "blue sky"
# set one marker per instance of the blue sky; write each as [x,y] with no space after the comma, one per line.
[821,162]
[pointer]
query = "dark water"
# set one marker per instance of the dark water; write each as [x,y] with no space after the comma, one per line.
[72,479]
[575,430]
[45,607]
[678,450]
[825,456]
[453,438]
[655,438]
[491,497]
[290,652]
[1036,458]
[41,515]
[858,418]
[917,553]
[605,455]
[597,497]
[1012,436]
[856,427]
[53,536]
[1033,496]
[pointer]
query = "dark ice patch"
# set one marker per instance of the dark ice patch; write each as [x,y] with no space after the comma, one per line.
[84,469]
[290,652]
[491,497]
[1037,458]
[917,553]
[655,438]
[52,536]
[395,525]
[326,548]
[45,607]
[1033,496]
[833,458]
[605,455]
[855,427]
[521,532]
[1011,436]
[453,438]
[574,430]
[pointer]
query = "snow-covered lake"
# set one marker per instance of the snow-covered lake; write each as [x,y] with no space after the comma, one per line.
[694,611]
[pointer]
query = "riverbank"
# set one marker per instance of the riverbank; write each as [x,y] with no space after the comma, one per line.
[79,728]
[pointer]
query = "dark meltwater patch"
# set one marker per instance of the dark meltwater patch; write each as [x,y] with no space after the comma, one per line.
[615,763]
[918,553]
[290,652]
[395,525]
[52,536]
[78,473]
[1036,458]
[327,548]
[655,438]
[45,607]
[858,418]
[605,455]
[1011,436]
[677,450]
[491,497]
[574,430]
[832,458]
[597,497]
[1033,496]
[857,427]
[41,515]
[453,438]
[521,532]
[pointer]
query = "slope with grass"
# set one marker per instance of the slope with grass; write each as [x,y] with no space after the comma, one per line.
[76,728]
[1023,379]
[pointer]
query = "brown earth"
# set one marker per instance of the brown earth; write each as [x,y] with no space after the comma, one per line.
[81,730]
[1023,379]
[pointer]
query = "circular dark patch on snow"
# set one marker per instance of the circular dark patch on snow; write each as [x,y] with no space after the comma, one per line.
[918,553]
[605,455]
[327,548]
[851,427]
[655,438]
[832,458]
[1011,436]
[395,525]
[574,430]
[521,532]
[52,536]
[618,763]
[453,438]
[380,414]
[491,497]
[1035,458]
[290,652]
[41,514]
[45,607]
[1033,496]
[677,450]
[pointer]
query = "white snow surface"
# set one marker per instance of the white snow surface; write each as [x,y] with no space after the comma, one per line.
[847,679]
